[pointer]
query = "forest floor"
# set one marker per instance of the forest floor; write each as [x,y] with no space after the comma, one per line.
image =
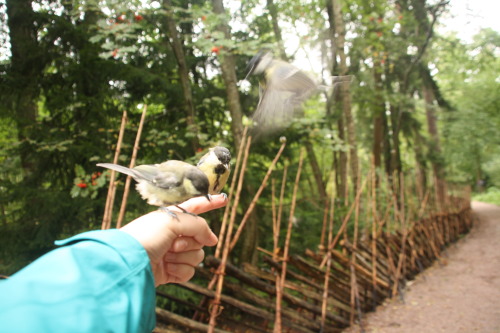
[458,294]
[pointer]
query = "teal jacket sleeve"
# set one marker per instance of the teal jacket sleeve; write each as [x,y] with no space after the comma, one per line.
[98,281]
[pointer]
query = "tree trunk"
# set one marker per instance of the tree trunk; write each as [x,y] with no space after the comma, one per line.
[339,157]
[177,47]
[342,162]
[26,67]
[421,163]
[320,184]
[424,33]
[430,113]
[228,66]
[437,166]
[271,7]
[378,118]
[395,151]
[250,240]
[345,93]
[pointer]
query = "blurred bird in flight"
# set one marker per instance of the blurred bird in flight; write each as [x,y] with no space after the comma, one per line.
[282,89]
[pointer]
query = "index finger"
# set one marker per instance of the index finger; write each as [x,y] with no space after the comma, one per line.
[195,227]
[201,205]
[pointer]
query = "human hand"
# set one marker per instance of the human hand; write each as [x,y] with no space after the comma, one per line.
[175,246]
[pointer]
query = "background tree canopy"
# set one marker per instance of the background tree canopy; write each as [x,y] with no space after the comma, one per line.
[420,103]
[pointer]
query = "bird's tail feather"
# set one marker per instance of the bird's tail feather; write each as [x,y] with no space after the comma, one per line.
[118,168]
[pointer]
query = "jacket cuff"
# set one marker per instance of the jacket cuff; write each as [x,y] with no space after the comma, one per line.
[130,250]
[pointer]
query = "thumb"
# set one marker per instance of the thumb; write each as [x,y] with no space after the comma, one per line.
[193,226]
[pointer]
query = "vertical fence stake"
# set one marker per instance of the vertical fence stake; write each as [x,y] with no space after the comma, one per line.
[110,198]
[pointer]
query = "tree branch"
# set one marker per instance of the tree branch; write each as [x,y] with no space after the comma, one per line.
[435,11]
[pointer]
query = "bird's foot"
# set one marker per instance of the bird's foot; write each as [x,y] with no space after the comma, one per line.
[169,212]
[185,211]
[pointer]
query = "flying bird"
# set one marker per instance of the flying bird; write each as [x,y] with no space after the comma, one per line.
[283,88]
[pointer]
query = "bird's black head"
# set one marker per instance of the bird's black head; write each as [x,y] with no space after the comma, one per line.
[199,180]
[254,62]
[222,154]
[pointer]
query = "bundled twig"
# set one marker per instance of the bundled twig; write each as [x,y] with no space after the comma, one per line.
[375,223]
[331,246]
[231,204]
[324,303]
[257,196]
[354,284]
[216,308]
[237,175]
[276,233]
[110,198]
[277,324]
[277,225]
[132,164]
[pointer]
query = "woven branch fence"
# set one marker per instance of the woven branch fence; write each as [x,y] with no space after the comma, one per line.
[357,278]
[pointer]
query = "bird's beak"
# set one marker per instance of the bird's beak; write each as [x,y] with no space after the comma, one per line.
[249,72]
[209,197]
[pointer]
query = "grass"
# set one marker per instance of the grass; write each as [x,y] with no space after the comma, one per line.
[492,196]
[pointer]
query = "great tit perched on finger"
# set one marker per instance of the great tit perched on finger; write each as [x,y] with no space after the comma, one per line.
[282,89]
[168,183]
[216,166]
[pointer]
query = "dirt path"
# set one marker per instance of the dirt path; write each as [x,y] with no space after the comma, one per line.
[459,295]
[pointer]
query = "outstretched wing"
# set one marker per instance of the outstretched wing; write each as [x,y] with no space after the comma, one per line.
[281,95]
[274,111]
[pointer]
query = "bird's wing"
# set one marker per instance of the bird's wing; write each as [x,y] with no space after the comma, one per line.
[146,171]
[289,78]
[203,159]
[281,96]
[167,180]
[273,111]
[159,175]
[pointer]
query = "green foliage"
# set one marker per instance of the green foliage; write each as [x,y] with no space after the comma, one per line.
[177,293]
[492,196]
[468,76]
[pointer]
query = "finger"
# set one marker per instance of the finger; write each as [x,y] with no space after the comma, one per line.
[188,225]
[192,258]
[182,244]
[201,205]
[179,272]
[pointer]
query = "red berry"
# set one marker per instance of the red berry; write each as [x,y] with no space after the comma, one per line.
[215,50]
[203,18]
[138,18]
[81,185]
